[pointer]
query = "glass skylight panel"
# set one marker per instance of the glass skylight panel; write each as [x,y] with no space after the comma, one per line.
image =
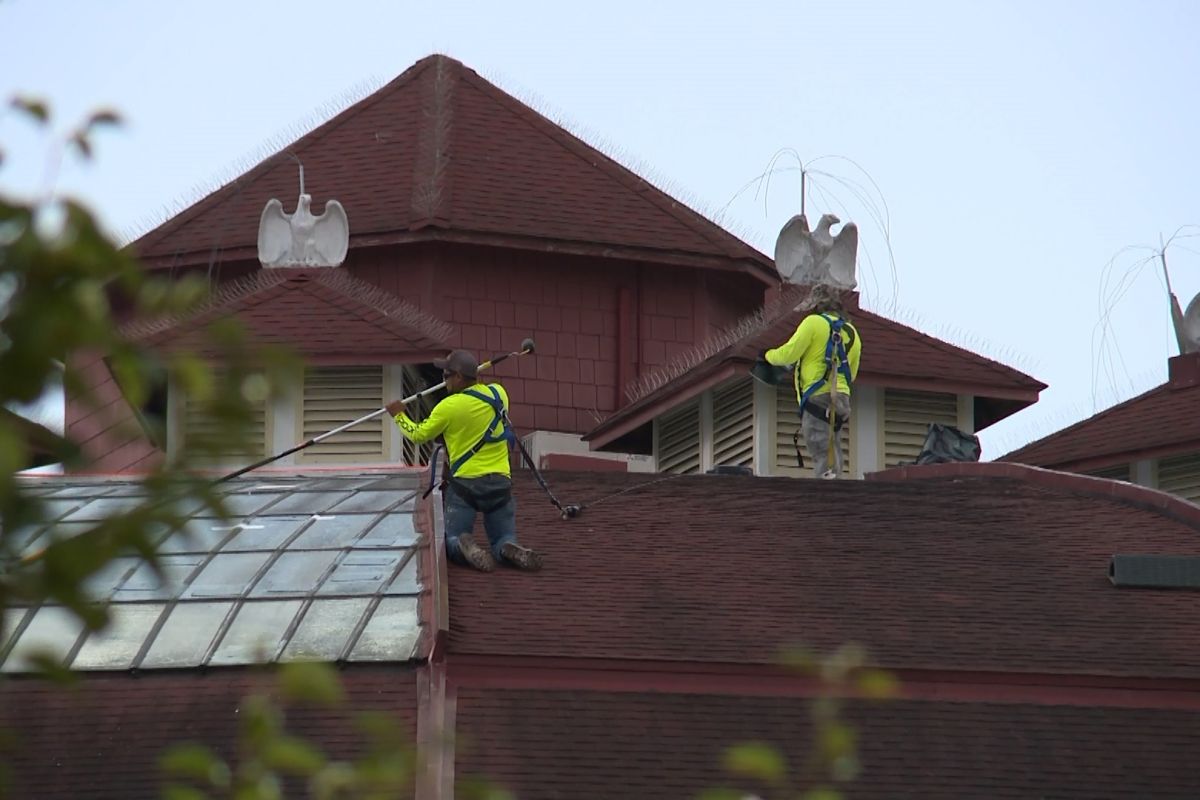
[105,507]
[308,502]
[244,504]
[406,582]
[116,645]
[363,572]
[227,576]
[196,536]
[186,636]
[295,573]
[263,533]
[56,509]
[53,632]
[145,584]
[394,530]
[257,633]
[103,583]
[392,633]
[332,530]
[325,629]
[12,618]
[83,490]
[362,502]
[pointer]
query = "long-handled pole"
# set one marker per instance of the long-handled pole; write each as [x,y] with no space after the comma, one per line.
[527,347]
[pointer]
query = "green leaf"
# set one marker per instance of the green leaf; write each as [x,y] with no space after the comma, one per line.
[80,140]
[312,682]
[756,760]
[293,756]
[195,761]
[877,684]
[101,117]
[38,109]
[837,740]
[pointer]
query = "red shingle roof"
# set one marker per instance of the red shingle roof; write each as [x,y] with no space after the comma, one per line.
[323,311]
[893,355]
[582,745]
[440,152]
[994,574]
[1162,421]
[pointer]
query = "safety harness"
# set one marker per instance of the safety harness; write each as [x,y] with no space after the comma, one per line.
[505,435]
[835,353]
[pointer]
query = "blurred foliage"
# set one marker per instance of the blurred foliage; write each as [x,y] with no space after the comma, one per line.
[272,763]
[67,289]
[761,771]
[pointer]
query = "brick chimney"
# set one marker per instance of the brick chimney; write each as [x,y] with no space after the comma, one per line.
[1184,370]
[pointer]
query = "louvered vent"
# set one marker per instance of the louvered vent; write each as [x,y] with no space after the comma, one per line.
[906,419]
[416,454]
[787,422]
[199,428]
[1181,476]
[1118,473]
[1155,572]
[679,440]
[733,424]
[334,396]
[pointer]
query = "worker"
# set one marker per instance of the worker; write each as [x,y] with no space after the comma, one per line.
[473,421]
[824,342]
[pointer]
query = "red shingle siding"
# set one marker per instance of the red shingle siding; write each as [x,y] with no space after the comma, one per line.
[109,432]
[579,745]
[104,737]
[974,574]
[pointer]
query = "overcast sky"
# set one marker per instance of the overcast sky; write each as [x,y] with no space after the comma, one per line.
[1018,146]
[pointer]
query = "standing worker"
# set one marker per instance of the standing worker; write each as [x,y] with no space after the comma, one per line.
[473,420]
[824,343]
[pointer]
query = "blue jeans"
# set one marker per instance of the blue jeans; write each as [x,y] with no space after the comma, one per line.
[500,521]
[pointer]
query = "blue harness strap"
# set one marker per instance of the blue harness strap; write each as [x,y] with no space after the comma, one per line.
[834,347]
[501,418]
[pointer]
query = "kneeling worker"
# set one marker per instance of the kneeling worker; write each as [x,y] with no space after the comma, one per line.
[473,420]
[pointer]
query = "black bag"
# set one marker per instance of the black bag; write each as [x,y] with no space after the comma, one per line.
[945,444]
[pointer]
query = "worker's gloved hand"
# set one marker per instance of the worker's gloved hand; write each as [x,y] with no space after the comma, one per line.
[395,408]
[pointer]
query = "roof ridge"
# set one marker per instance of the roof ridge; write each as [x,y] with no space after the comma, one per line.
[394,308]
[1120,491]
[945,346]
[1085,422]
[177,221]
[732,245]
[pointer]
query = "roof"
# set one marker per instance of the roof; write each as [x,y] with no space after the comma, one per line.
[955,572]
[323,311]
[1163,421]
[319,567]
[893,355]
[553,744]
[441,153]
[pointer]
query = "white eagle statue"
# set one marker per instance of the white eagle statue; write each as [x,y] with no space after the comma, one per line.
[301,239]
[810,257]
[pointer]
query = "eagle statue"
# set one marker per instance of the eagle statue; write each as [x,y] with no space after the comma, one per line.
[301,239]
[810,257]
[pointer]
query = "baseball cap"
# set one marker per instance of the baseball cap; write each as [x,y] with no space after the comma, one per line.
[461,361]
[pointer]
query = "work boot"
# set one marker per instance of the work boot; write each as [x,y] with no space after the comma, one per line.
[521,557]
[478,557]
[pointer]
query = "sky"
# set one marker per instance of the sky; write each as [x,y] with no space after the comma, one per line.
[1004,161]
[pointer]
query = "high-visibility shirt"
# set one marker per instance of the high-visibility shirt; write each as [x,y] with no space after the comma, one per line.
[462,420]
[806,349]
